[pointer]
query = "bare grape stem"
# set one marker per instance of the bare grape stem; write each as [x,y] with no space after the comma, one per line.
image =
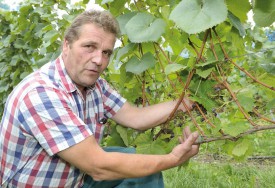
[235,138]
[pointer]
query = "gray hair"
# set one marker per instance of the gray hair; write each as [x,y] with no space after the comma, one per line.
[103,19]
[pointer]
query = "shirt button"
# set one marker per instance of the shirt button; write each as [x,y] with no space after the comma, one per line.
[103,120]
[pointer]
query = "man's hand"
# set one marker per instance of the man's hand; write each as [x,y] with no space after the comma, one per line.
[187,104]
[186,149]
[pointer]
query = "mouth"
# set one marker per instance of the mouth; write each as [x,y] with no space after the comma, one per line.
[93,71]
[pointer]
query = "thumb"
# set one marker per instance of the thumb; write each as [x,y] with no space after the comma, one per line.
[192,138]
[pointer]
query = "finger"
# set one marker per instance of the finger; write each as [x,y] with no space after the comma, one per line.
[191,139]
[194,150]
[186,132]
[181,140]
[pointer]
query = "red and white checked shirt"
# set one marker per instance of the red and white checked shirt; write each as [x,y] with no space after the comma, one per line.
[44,115]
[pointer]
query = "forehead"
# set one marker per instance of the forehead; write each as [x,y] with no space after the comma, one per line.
[96,34]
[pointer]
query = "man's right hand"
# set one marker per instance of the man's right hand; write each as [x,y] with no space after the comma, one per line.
[187,147]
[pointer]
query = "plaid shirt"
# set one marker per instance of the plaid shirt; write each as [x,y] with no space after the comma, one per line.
[44,115]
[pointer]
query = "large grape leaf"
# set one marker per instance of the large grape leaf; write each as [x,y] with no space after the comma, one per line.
[239,8]
[137,66]
[197,16]
[264,12]
[144,27]
[123,20]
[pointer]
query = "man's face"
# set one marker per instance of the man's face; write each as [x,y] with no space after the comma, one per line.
[87,57]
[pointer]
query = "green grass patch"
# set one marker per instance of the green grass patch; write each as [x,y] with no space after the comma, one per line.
[219,174]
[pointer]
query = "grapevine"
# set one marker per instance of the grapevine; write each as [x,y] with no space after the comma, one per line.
[167,52]
[222,80]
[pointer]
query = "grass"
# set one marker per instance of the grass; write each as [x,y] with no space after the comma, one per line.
[218,171]
[220,174]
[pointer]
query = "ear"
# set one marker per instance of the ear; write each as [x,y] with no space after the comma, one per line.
[65,47]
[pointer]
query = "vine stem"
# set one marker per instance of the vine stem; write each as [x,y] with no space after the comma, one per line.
[168,60]
[225,83]
[204,116]
[162,70]
[240,68]
[235,138]
[188,81]
[143,90]
[238,103]
[197,106]
[189,78]
[262,117]
[191,73]
[143,81]
[183,93]
[144,97]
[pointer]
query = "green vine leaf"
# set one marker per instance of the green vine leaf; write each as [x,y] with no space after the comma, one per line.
[246,100]
[106,1]
[155,147]
[143,138]
[269,67]
[201,15]
[241,148]
[51,37]
[114,139]
[264,12]
[236,23]
[125,51]
[204,73]
[239,8]
[137,66]
[209,62]
[271,105]
[204,90]
[86,1]
[123,20]
[174,67]
[234,128]
[144,27]
[123,134]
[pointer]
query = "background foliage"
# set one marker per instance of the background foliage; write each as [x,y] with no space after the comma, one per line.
[167,49]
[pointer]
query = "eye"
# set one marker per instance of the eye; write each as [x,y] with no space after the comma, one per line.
[107,53]
[90,47]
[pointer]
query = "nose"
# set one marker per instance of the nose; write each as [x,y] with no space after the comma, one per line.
[97,57]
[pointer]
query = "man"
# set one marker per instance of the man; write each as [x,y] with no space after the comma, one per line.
[52,123]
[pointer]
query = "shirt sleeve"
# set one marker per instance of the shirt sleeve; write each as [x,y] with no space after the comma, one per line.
[112,100]
[46,114]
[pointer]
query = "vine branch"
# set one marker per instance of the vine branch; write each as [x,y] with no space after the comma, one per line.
[240,68]
[232,138]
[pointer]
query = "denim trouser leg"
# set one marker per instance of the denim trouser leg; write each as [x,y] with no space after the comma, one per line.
[152,181]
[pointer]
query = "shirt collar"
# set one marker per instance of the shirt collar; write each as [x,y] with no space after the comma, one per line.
[66,80]
[64,77]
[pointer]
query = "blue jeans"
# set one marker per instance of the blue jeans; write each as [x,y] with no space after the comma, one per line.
[152,181]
